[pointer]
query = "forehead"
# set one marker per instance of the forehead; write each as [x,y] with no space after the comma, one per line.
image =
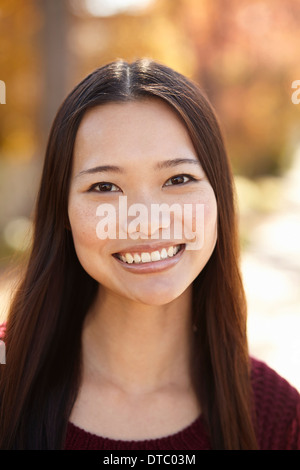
[131,131]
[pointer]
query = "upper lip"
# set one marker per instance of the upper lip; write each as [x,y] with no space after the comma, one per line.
[147,248]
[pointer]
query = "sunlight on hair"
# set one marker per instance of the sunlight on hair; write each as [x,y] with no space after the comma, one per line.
[113,7]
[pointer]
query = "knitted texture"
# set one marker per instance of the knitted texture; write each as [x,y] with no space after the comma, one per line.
[277,406]
[192,437]
[277,421]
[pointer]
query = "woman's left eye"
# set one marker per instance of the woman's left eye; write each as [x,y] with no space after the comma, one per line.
[179,179]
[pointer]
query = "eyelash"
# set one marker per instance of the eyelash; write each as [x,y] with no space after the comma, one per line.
[191,178]
[94,186]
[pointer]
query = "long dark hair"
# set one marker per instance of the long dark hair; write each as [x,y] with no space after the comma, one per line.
[39,384]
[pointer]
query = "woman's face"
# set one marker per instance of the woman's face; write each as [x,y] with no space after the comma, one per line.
[132,162]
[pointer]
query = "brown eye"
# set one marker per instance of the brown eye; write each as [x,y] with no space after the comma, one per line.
[179,179]
[104,187]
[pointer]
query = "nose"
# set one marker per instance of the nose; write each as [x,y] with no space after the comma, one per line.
[144,219]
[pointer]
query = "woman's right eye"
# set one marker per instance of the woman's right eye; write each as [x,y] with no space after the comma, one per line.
[104,187]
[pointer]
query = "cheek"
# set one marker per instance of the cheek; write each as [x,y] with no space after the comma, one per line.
[83,226]
[202,226]
[211,213]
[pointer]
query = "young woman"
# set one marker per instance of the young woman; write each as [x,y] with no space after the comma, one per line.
[127,336]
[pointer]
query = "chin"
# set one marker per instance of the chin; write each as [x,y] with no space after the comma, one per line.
[159,296]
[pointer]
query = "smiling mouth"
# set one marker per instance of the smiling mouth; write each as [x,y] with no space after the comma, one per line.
[149,257]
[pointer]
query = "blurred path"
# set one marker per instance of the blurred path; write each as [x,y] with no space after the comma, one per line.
[271,270]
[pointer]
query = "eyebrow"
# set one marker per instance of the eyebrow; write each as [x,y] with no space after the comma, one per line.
[175,162]
[100,169]
[159,166]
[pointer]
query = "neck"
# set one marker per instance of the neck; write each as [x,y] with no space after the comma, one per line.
[139,348]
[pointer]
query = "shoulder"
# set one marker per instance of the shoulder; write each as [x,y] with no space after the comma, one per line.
[277,409]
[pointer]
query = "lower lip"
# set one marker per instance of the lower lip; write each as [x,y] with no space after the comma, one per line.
[152,266]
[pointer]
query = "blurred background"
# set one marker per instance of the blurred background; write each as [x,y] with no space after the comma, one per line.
[245,56]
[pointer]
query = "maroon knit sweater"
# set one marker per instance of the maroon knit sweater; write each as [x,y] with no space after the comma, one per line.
[277,406]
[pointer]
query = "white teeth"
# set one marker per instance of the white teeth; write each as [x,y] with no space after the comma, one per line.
[146,257]
[155,256]
[129,258]
[136,258]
